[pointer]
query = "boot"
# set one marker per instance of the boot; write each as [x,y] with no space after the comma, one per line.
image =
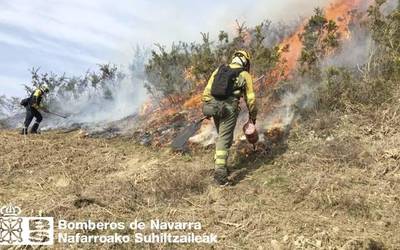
[24,131]
[34,129]
[221,175]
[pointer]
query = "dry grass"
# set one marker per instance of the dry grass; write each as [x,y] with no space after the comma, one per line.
[333,184]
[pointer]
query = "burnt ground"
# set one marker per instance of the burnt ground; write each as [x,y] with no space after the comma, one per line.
[334,183]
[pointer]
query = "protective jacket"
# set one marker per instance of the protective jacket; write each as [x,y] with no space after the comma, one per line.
[32,106]
[243,88]
[36,99]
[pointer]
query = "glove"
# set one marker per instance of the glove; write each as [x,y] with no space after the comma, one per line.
[45,110]
[253,116]
[252,119]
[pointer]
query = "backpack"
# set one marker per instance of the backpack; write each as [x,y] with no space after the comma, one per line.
[224,81]
[25,102]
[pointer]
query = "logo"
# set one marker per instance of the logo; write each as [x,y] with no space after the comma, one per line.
[15,230]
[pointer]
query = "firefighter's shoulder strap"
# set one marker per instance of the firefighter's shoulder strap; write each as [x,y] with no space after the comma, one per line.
[224,82]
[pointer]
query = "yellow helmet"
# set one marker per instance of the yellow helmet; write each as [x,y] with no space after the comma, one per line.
[44,87]
[242,53]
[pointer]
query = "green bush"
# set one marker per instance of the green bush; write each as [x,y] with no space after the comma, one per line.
[385,30]
[166,70]
[320,36]
[372,84]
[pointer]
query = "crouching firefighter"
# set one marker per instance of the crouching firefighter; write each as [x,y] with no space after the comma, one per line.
[32,105]
[221,96]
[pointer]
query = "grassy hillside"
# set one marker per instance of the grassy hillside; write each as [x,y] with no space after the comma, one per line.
[332,183]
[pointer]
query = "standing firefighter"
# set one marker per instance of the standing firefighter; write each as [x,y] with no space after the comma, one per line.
[221,101]
[32,105]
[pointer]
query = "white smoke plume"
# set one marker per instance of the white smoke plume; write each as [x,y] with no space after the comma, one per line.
[276,11]
[124,96]
[389,6]
[352,54]
[88,104]
[289,105]
[207,135]
[127,96]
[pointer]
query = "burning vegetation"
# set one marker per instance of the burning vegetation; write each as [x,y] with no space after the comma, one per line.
[286,63]
[292,71]
[323,175]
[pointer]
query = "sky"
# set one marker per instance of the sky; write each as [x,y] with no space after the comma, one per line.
[73,36]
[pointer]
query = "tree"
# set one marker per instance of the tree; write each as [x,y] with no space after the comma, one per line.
[319,38]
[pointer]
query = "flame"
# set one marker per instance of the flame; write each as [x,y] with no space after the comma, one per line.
[290,49]
[338,11]
[168,112]
[247,38]
[193,102]
[188,75]
[146,107]
[166,107]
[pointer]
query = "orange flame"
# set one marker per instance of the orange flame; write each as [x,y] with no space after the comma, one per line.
[291,47]
[146,107]
[188,74]
[339,12]
[193,102]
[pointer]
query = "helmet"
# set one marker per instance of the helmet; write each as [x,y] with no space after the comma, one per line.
[242,53]
[242,57]
[44,87]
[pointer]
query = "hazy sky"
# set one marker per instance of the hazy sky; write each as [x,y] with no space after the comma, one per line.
[72,36]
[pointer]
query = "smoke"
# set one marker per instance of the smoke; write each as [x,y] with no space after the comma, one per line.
[126,95]
[254,12]
[303,97]
[117,98]
[9,106]
[207,135]
[353,52]
[290,103]
[116,94]
[282,116]
[389,6]
[91,107]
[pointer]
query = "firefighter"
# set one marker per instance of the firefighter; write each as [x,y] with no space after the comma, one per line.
[32,105]
[221,96]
